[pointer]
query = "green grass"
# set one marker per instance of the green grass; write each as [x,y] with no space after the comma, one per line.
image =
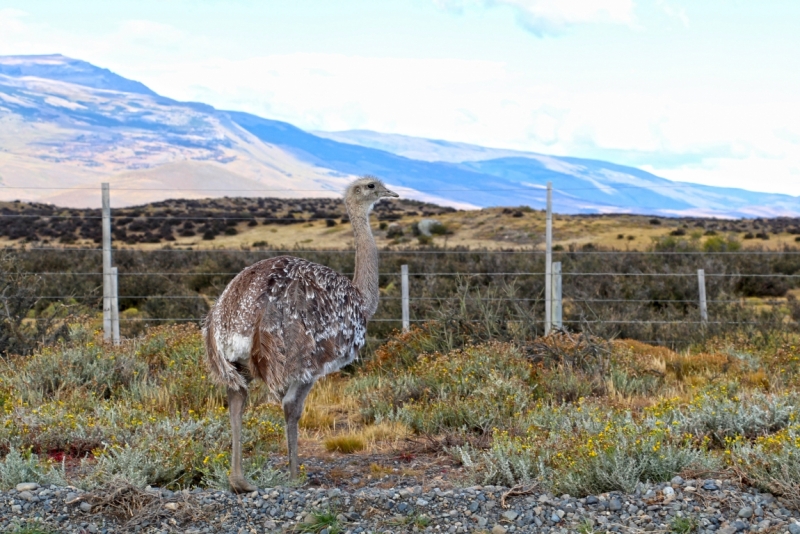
[683,525]
[319,522]
[31,528]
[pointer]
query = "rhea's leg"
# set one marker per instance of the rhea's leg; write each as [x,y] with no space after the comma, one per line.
[293,403]
[237,398]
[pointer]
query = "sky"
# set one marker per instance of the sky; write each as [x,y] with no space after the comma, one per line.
[704,91]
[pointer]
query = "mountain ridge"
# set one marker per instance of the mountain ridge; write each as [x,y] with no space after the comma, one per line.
[67,121]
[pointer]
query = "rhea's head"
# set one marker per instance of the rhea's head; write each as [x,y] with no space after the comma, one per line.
[366,191]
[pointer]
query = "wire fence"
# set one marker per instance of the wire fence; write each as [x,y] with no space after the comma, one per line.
[618,291]
[421,276]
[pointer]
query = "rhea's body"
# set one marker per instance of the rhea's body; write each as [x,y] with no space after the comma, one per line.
[282,307]
[288,322]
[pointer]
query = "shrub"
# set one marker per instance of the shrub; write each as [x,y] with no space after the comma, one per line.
[722,418]
[771,463]
[584,451]
[719,244]
[19,467]
[474,389]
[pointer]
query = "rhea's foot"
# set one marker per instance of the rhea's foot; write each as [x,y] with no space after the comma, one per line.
[240,485]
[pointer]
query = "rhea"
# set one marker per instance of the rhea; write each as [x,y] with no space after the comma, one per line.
[289,322]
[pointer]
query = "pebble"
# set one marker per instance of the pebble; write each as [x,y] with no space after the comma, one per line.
[511,515]
[370,509]
[27,486]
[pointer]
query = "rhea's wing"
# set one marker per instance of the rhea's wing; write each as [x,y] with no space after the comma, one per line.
[310,317]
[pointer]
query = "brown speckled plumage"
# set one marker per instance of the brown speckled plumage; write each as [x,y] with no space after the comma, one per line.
[289,322]
[304,320]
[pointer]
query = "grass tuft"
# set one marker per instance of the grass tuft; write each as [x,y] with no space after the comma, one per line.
[345,444]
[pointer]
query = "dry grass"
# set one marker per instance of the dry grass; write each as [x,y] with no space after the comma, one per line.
[345,444]
[132,506]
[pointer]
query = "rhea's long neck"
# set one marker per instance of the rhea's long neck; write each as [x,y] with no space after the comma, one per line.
[366,273]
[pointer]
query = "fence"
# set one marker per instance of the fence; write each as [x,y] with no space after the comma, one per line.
[559,288]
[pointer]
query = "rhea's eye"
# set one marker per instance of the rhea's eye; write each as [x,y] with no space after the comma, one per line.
[371,186]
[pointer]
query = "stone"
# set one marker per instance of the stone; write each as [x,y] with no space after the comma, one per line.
[677,480]
[92,528]
[740,526]
[511,515]
[710,485]
[172,506]
[730,529]
[309,519]
[426,226]
[422,502]
[86,507]
[555,518]
[591,499]
[668,492]
[27,486]
[499,529]
[16,508]
[615,505]
[402,507]
[794,528]
[481,521]
[27,495]
[746,512]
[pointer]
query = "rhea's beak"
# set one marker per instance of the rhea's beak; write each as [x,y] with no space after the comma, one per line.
[392,194]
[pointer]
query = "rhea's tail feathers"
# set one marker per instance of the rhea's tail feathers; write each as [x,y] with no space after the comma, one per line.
[268,359]
[221,370]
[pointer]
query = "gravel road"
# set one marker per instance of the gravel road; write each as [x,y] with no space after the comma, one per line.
[679,506]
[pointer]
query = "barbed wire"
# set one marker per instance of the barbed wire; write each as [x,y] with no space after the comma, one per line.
[412,251]
[388,320]
[742,300]
[533,189]
[465,274]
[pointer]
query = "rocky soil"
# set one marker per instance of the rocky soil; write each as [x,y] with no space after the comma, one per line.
[680,506]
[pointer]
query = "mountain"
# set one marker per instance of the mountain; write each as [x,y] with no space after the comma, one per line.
[67,124]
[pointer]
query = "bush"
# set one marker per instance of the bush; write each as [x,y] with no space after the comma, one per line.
[19,467]
[721,418]
[473,390]
[772,463]
[720,244]
[584,450]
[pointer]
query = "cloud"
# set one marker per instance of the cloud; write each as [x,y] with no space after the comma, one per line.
[11,23]
[674,12]
[551,17]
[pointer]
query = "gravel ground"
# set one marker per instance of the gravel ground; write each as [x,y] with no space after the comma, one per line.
[679,506]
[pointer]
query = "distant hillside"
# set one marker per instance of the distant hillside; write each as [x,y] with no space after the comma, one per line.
[67,125]
[321,223]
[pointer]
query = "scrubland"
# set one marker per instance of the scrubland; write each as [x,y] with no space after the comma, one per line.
[568,412]
[634,389]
